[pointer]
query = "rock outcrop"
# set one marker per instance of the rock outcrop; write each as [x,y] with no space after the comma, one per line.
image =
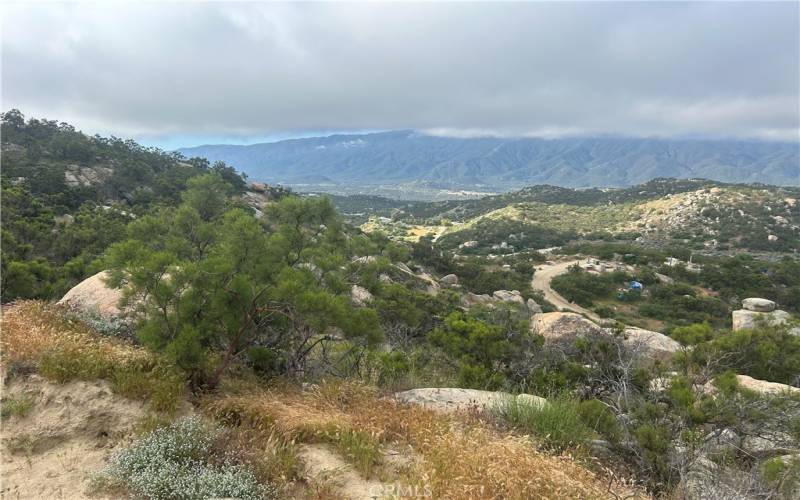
[448,400]
[758,305]
[533,306]
[509,296]
[743,319]
[764,387]
[757,311]
[76,175]
[648,343]
[753,384]
[92,295]
[556,326]
[449,280]
[360,295]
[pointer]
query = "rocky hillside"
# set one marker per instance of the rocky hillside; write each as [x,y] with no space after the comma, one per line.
[66,196]
[702,214]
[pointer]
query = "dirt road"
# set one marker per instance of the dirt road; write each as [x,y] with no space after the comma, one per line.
[541,281]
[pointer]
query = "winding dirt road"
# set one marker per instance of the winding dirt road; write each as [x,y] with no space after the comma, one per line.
[541,281]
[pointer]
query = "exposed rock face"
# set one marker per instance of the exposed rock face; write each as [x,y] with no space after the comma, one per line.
[450,279]
[701,480]
[92,295]
[472,299]
[509,296]
[762,446]
[744,319]
[360,295]
[758,305]
[649,343]
[764,387]
[533,307]
[75,175]
[449,400]
[561,325]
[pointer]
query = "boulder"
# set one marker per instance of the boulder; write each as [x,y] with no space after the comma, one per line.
[360,295]
[758,305]
[764,387]
[470,299]
[744,319]
[563,325]
[93,296]
[648,343]
[701,480]
[770,445]
[533,307]
[449,400]
[509,296]
[450,279]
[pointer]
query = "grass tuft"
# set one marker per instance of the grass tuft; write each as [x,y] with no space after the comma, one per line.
[558,423]
[15,407]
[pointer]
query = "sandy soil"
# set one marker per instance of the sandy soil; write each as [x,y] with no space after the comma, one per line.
[67,435]
[323,465]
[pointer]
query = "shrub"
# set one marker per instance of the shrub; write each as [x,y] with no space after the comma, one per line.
[598,417]
[68,364]
[113,326]
[15,407]
[182,461]
[558,422]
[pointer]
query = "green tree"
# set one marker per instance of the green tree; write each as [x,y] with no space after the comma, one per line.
[213,282]
[480,348]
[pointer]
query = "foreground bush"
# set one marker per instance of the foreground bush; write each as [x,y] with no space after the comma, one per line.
[182,461]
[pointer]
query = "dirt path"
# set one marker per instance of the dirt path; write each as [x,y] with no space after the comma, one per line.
[541,281]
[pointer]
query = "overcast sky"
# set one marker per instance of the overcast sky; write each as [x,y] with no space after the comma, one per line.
[173,74]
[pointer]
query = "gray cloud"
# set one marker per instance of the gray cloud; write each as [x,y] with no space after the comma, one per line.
[547,69]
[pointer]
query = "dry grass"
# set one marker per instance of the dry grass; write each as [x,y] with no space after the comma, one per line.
[31,328]
[42,337]
[455,457]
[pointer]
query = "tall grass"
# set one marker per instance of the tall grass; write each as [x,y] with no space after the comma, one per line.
[453,457]
[62,348]
[558,423]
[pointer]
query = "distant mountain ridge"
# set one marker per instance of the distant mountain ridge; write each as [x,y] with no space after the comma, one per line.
[503,163]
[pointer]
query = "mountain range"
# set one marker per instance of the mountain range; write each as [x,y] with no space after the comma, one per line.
[491,163]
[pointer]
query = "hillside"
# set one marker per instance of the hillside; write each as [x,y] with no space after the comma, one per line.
[66,196]
[227,340]
[698,214]
[338,162]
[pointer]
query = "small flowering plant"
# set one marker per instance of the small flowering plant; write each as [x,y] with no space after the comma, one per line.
[182,461]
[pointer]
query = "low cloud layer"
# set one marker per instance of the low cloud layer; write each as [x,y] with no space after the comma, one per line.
[528,69]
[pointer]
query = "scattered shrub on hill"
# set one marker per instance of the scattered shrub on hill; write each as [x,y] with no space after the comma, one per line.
[765,353]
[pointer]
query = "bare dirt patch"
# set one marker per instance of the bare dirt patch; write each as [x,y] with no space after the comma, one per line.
[65,437]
